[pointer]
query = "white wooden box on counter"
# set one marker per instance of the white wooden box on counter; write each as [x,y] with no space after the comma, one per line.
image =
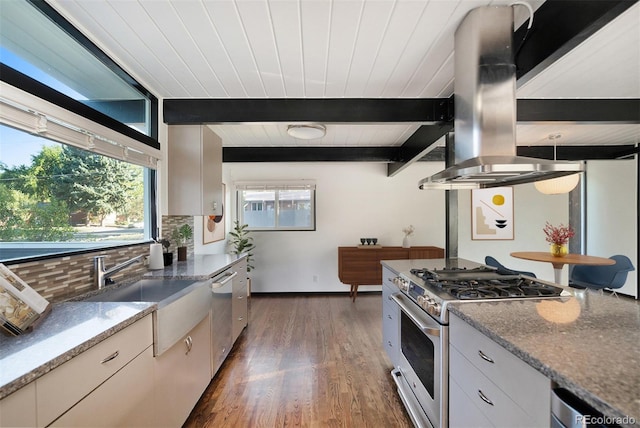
[63,387]
[504,388]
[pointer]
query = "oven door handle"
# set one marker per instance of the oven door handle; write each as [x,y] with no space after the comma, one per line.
[407,310]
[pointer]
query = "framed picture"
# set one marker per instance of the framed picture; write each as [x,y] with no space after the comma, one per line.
[213,225]
[492,213]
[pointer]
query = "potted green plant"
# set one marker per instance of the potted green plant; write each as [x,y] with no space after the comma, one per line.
[241,242]
[181,235]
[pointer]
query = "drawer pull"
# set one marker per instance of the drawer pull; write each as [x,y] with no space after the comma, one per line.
[110,357]
[484,398]
[189,343]
[240,297]
[240,318]
[390,317]
[485,357]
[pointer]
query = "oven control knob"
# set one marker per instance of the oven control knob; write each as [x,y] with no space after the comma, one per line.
[435,309]
[401,283]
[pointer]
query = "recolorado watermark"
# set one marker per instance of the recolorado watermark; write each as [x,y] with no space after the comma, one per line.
[585,420]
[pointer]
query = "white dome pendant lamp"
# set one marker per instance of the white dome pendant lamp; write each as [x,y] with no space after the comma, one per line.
[556,186]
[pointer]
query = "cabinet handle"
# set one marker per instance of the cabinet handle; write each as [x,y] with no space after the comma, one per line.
[110,357]
[484,398]
[240,318]
[240,297]
[189,343]
[485,357]
[390,344]
[390,317]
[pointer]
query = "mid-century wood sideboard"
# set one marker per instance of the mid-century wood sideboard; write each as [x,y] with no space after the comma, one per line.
[361,265]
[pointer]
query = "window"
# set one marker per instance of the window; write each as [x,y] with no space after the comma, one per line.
[288,206]
[77,141]
[57,198]
[39,43]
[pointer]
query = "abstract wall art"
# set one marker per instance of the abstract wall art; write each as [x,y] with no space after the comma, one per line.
[213,225]
[492,213]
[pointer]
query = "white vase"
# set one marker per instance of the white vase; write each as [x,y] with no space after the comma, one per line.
[406,242]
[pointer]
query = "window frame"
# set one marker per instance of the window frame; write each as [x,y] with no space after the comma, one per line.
[276,187]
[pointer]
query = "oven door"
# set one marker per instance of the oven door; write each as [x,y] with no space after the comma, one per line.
[423,363]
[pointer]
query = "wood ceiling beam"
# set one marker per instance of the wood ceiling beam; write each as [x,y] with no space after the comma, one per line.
[603,111]
[558,27]
[320,110]
[388,154]
[418,145]
[308,154]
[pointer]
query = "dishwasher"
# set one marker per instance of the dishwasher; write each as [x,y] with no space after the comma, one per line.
[221,318]
[569,411]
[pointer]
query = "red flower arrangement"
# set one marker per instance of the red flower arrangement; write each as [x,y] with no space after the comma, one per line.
[558,235]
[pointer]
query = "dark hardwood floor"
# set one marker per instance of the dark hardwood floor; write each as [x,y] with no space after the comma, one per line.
[305,360]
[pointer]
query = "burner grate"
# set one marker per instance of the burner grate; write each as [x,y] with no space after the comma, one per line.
[497,289]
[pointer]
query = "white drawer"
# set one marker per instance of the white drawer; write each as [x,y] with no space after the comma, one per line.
[63,387]
[507,371]
[498,407]
[462,412]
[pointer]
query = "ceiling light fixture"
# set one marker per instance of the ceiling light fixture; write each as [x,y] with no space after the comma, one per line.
[307,132]
[556,186]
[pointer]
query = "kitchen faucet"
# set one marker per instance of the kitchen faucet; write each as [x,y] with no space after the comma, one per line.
[102,274]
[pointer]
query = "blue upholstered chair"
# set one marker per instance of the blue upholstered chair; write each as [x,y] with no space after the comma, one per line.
[601,277]
[503,270]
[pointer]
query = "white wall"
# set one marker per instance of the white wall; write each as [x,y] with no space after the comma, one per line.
[611,213]
[531,210]
[353,200]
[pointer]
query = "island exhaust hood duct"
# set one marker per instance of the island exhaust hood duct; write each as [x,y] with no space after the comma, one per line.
[485,110]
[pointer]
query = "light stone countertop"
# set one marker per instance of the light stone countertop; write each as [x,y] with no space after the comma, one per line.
[197,267]
[596,356]
[68,330]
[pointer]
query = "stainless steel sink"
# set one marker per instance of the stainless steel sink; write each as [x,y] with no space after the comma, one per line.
[158,290]
[182,304]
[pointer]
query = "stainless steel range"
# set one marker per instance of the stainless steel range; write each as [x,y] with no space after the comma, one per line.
[422,370]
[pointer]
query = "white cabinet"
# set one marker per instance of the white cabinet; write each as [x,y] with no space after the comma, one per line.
[390,317]
[487,378]
[239,307]
[63,387]
[194,164]
[19,408]
[125,399]
[182,373]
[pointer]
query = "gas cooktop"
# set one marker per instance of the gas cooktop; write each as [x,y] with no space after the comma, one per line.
[484,283]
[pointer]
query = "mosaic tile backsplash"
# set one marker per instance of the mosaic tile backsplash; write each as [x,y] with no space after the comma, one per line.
[65,277]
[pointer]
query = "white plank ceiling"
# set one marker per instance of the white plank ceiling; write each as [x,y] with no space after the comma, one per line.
[340,49]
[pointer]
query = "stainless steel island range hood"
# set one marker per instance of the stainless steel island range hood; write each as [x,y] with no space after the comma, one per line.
[485,110]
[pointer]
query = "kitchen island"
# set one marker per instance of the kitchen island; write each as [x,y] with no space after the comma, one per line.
[588,344]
